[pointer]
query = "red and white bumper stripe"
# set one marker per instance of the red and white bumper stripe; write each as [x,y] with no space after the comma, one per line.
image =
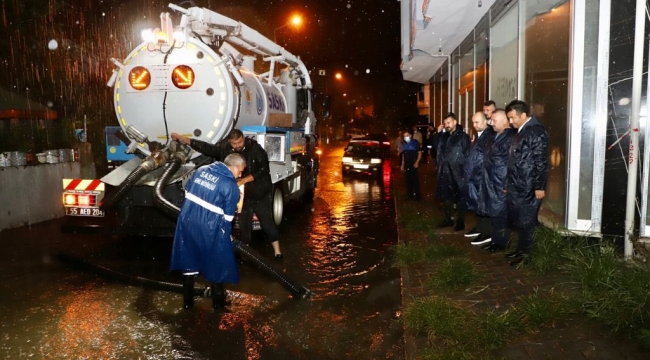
[82,185]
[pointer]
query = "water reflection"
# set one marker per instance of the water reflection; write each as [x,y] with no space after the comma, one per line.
[345,235]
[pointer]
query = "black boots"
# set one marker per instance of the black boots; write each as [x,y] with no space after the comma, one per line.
[218,296]
[188,291]
[217,292]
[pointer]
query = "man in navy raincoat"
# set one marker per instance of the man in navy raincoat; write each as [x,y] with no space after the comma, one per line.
[473,171]
[202,240]
[453,147]
[527,176]
[492,197]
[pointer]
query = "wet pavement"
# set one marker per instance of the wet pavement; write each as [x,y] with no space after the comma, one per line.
[337,246]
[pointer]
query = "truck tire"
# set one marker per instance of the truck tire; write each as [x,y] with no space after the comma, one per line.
[277,202]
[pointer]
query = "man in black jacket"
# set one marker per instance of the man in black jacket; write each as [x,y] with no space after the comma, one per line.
[527,176]
[492,195]
[256,180]
[453,147]
[473,176]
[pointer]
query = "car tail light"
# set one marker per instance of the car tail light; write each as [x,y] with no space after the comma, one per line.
[79,200]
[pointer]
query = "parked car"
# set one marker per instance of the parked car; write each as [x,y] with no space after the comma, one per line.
[364,155]
[382,138]
[355,133]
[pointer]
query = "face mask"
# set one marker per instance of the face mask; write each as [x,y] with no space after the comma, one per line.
[407,138]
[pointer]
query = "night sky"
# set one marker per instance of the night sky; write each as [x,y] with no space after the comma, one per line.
[337,35]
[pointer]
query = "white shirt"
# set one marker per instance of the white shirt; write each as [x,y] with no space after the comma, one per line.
[524,124]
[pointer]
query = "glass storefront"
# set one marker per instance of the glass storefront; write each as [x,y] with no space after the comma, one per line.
[481,94]
[572,62]
[444,93]
[547,31]
[504,50]
[466,90]
[455,88]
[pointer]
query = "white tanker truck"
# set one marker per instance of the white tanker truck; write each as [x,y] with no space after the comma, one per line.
[197,78]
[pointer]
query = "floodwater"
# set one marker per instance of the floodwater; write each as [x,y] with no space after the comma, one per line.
[337,246]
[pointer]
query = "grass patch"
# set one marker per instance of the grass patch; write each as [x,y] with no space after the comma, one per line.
[550,247]
[614,292]
[410,254]
[457,333]
[537,310]
[608,290]
[407,254]
[420,224]
[453,274]
[495,329]
[444,322]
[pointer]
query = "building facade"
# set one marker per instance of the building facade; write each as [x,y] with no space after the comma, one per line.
[573,62]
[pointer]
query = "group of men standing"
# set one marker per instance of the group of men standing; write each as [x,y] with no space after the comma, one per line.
[500,176]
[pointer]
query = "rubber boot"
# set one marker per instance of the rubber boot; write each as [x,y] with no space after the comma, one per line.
[188,291]
[218,296]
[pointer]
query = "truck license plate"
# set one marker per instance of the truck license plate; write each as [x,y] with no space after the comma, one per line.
[76,211]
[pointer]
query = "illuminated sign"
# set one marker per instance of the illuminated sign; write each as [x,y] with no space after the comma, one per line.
[183,76]
[139,78]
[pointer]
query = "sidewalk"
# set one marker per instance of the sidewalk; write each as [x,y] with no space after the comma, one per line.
[499,287]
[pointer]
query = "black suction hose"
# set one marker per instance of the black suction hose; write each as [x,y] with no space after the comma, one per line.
[243,250]
[135,175]
[159,199]
[131,280]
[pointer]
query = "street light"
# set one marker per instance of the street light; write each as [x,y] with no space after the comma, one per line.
[296,20]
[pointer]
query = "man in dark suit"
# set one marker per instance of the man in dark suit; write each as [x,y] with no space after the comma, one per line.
[492,195]
[527,176]
[453,148]
[473,173]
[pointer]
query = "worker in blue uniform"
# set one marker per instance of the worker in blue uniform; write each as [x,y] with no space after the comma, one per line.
[202,241]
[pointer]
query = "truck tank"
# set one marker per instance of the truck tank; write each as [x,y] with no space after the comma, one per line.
[191,90]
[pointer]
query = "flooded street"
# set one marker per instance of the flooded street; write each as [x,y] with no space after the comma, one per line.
[336,246]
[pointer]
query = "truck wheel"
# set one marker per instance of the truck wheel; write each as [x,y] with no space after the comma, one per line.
[278,205]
